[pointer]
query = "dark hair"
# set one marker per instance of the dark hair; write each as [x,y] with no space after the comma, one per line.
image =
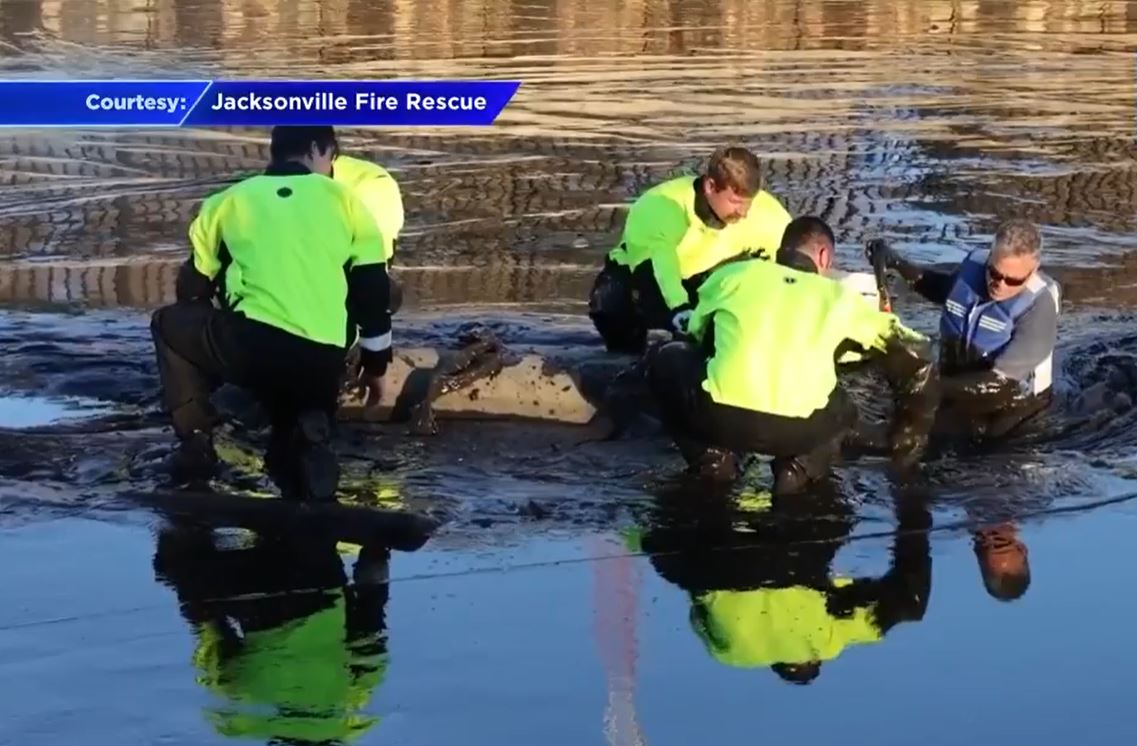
[735,168]
[806,230]
[801,674]
[296,142]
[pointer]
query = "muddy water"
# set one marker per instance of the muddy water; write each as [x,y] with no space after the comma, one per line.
[572,594]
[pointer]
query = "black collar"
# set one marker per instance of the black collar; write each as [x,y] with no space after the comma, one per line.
[287,168]
[703,208]
[797,260]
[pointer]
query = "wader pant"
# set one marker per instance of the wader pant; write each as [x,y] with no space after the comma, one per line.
[297,381]
[958,424]
[803,448]
[624,305]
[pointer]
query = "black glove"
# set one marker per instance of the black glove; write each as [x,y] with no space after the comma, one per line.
[883,258]
[374,363]
[880,255]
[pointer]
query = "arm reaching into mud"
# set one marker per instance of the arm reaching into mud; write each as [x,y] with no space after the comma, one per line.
[369,293]
[906,359]
[931,284]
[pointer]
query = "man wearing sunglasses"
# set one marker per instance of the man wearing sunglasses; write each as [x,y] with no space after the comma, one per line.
[998,329]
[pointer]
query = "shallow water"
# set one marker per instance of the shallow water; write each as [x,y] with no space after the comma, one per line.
[924,122]
[542,644]
[18,411]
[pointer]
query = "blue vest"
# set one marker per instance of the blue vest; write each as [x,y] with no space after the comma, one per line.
[973,330]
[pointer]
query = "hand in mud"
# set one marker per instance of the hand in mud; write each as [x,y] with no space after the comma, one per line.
[370,390]
[907,444]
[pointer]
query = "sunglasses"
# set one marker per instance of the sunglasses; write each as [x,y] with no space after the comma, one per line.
[997,276]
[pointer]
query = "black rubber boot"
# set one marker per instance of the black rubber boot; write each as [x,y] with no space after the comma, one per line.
[797,474]
[709,462]
[319,471]
[301,462]
[195,459]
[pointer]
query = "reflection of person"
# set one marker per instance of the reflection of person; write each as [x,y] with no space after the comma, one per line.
[761,585]
[674,234]
[292,649]
[1003,559]
[759,373]
[998,328]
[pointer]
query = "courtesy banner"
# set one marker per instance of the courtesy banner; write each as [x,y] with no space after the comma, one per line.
[217,103]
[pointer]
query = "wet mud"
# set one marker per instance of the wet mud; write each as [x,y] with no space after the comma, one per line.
[474,475]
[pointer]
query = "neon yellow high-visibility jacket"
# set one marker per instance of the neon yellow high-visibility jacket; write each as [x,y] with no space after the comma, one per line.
[662,226]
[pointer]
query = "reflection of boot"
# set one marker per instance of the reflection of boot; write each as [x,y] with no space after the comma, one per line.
[372,567]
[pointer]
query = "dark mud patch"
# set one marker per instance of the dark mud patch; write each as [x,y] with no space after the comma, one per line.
[501,480]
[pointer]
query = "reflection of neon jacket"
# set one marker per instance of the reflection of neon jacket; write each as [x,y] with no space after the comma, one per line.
[301,680]
[777,625]
[663,227]
[379,193]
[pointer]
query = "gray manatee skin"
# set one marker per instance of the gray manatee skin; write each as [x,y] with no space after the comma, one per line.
[568,388]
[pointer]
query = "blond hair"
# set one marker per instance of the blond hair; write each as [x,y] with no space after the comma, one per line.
[737,168]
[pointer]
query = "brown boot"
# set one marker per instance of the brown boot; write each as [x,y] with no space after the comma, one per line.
[799,473]
[709,462]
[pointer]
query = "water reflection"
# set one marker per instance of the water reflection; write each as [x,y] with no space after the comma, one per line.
[760,578]
[290,649]
[926,122]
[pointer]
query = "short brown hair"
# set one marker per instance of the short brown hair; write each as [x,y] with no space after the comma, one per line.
[737,168]
[1017,238]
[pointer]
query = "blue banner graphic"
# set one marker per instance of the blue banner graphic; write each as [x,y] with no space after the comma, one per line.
[216,103]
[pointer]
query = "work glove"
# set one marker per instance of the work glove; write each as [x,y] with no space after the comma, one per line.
[680,320]
[881,255]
